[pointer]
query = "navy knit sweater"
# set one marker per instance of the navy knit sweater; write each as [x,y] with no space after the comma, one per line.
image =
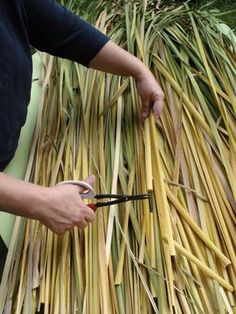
[48,27]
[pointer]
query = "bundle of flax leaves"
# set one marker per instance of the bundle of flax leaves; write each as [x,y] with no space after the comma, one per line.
[176,253]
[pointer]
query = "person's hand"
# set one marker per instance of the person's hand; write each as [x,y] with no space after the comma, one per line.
[64,208]
[151,94]
[113,59]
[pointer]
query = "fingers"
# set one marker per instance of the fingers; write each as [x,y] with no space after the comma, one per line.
[90,215]
[82,224]
[146,108]
[87,213]
[63,208]
[81,221]
[155,104]
[151,94]
[158,106]
[90,180]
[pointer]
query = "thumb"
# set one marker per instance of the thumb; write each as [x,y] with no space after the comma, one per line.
[90,179]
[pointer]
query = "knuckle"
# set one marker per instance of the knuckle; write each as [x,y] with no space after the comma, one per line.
[63,229]
[59,231]
[161,95]
[90,219]
[93,215]
[82,225]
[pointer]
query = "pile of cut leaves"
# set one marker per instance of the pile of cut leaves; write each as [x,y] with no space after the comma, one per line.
[175,254]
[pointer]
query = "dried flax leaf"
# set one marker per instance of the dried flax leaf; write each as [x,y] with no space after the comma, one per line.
[114,182]
[181,93]
[75,140]
[203,267]
[202,52]
[163,212]
[120,265]
[139,272]
[225,261]
[148,163]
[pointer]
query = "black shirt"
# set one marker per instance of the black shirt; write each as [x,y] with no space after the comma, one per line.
[49,27]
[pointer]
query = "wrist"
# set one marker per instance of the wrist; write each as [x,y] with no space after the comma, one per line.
[140,72]
[30,201]
[36,202]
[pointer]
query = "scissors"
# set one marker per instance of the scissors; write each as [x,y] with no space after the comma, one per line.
[89,193]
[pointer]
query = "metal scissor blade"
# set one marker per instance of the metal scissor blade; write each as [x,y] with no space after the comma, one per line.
[119,196]
[123,199]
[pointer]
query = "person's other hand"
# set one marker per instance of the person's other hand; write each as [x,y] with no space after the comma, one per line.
[113,59]
[64,208]
[151,94]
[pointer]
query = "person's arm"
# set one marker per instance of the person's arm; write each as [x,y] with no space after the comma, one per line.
[59,208]
[113,59]
[52,28]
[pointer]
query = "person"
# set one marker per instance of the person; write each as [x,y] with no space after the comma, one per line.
[51,28]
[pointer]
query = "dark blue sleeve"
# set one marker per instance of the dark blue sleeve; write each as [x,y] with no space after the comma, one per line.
[54,29]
